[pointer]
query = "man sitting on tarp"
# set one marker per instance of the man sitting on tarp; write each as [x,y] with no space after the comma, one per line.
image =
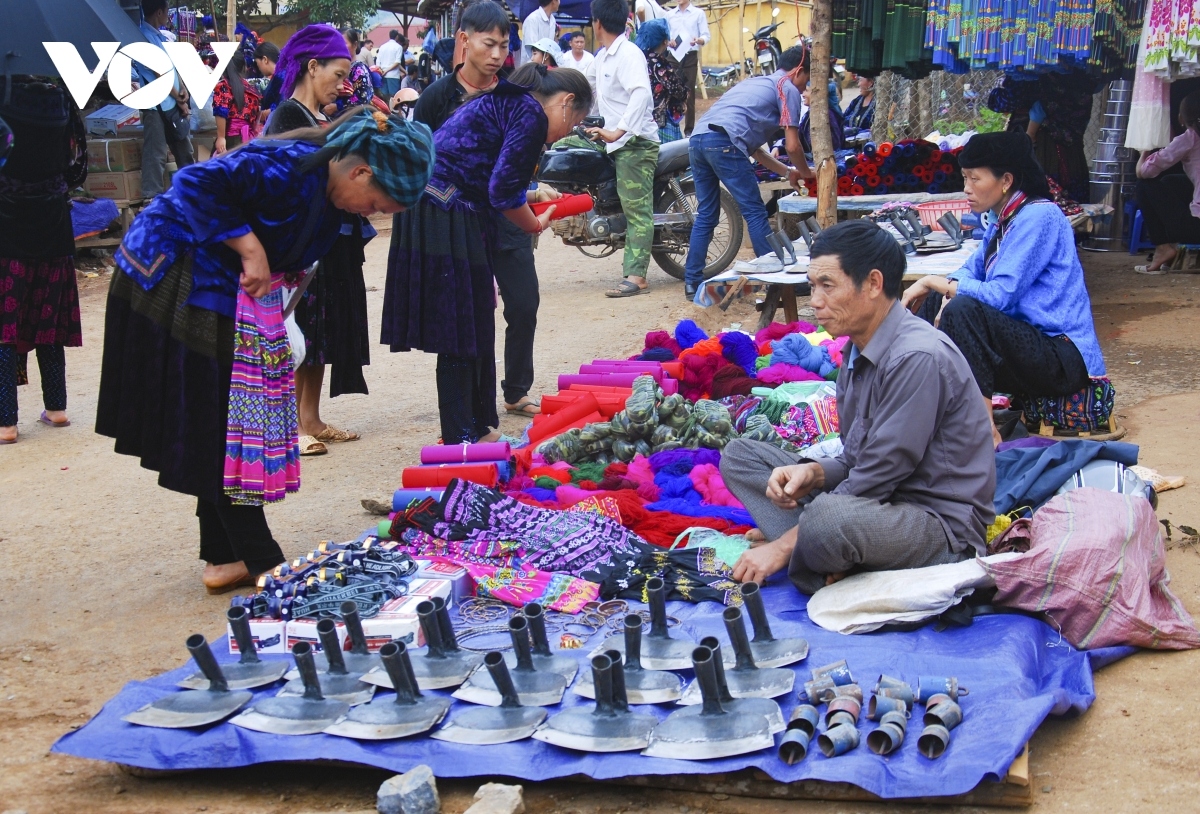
[915,481]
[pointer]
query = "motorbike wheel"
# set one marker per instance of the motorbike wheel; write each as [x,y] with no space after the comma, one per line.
[726,240]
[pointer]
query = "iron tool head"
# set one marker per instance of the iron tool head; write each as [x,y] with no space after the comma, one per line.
[359,659]
[740,706]
[249,672]
[194,707]
[438,667]
[642,686]
[490,725]
[306,714]
[710,731]
[406,713]
[337,683]
[544,659]
[659,650]
[610,727]
[534,688]
[746,679]
[767,650]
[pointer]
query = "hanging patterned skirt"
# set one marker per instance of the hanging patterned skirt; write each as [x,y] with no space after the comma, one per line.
[165,384]
[262,453]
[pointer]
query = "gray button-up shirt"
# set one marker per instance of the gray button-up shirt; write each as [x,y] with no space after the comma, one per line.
[915,429]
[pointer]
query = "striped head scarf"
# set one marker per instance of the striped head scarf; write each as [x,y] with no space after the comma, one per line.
[399,152]
[310,42]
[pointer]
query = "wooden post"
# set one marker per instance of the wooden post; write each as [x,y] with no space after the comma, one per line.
[230,18]
[818,117]
[741,38]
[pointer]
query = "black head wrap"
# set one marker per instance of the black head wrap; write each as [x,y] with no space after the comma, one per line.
[1007,152]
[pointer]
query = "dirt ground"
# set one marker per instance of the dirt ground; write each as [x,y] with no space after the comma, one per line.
[106,585]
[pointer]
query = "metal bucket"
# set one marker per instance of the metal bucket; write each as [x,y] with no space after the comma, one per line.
[1124,168]
[1117,179]
[1112,151]
[1115,135]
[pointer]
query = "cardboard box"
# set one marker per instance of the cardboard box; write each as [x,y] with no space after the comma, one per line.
[461,584]
[114,120]
[400,627]
[119,186]
[114,155]
[429,588]
[305,630]
[270,636]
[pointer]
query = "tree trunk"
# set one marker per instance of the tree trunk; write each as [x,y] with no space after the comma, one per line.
[230,18]
[818,116]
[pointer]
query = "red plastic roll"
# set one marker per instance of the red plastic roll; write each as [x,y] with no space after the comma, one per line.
[610,404]
[884,149]
[628,364]
[566,206]
[872,181]
[600,388]
[673,369]
[935,156]
[564,418]
[872,171]
[427,477]
[947,167]
[857,190]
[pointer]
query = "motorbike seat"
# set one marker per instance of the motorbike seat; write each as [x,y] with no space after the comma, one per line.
[672,157]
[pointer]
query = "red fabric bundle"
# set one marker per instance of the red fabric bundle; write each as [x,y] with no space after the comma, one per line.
[662,339]
[560,475]
[698,372]
[777,330]
[711,486]
[657,528]
[731,380]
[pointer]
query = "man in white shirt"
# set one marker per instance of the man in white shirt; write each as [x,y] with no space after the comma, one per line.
[390,60]
[577,57]
[689,27]
[621,86]
[649,10]
[538,25]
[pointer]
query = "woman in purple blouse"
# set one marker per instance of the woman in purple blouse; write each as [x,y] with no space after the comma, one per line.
[440,294]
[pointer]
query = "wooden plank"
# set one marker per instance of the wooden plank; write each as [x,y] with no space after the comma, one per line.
[770,306]
[733,292]
[752,783]
[1018,772]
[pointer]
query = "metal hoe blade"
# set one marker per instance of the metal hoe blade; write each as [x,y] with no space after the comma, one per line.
[406,713]
[544,660]
[659,650]
[442,664]
[305,715]
[610,727]
[642,686]
[711,732]
[746,679]
[250,671]
[764,707]
[533,688]
[490,725]
[766,649]
[194,707]
[337,683]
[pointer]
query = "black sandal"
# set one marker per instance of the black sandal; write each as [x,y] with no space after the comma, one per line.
[626,289]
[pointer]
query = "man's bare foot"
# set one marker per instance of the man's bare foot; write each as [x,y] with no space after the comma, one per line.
[490,438]
[57,417]
[996,439]
[219,579]
[1163,255]
[832,578]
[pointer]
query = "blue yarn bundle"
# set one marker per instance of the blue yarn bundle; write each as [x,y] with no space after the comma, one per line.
[688,333]
[679,496]
[794,349]
[739,349]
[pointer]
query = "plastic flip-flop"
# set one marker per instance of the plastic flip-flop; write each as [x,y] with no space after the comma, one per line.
[1148,271]
[626,289]
[45,419]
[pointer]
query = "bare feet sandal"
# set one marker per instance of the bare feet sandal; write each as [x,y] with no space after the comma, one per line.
[311,446]
[49,422]
[626,289]
[332,435]
[525,407]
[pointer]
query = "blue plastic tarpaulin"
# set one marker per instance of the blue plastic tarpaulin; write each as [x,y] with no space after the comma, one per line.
[1018,671]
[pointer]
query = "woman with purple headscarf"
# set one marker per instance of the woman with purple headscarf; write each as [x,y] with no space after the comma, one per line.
[332,313]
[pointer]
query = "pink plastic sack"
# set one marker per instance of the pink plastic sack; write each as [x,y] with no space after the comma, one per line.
[1096,567]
